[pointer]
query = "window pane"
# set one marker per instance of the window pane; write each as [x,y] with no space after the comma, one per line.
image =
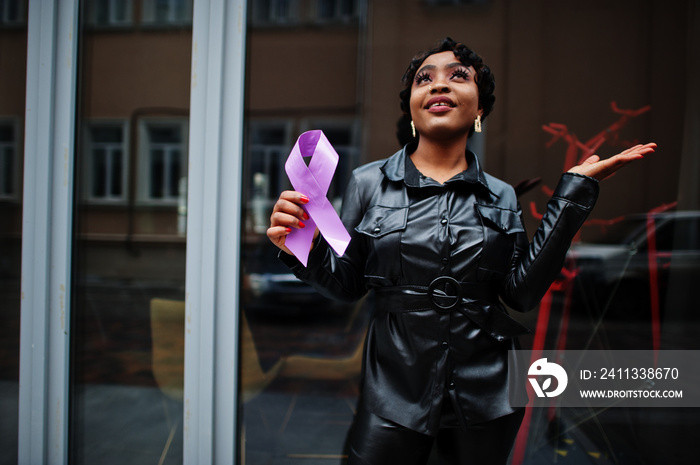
[98,173]
[13,64]
[160,134]
[129,267]
[157,170]
[629,278]
[7,133]
[107,134]
[116,172]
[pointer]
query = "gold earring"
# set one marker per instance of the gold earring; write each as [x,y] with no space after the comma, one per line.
[477,124]
[413,129]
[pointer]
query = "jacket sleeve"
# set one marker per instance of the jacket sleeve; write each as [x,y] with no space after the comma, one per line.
[340,278]
[535,265]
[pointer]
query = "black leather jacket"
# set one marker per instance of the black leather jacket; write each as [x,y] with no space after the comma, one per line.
[432,339]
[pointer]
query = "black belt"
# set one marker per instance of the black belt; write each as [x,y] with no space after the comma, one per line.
[478,301]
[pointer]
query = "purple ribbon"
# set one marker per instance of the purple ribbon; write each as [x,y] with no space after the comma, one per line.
[313,181]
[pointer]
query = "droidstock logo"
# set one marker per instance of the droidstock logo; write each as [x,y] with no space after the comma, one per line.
[542,368]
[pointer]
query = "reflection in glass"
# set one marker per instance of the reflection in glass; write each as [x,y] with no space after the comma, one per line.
[629,280]
[13,64]
[129,246]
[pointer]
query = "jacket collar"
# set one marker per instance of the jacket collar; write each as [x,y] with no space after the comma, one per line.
[396,169]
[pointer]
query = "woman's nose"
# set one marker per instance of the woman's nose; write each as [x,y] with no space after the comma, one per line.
[440,85]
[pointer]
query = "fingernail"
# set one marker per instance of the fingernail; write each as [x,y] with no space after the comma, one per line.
[301,224]
[304,199]
[288,230]
[305,216]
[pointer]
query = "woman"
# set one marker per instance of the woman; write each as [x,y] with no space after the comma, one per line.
[439,241]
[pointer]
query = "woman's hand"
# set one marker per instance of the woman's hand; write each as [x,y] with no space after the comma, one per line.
[287,214]
[599,169]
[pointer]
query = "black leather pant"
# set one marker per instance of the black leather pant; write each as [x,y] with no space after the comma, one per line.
[376,441]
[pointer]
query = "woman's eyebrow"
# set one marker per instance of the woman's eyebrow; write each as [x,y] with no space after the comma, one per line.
[426,67]
[455,64]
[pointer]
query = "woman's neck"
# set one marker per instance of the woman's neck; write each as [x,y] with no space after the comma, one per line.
[440,160]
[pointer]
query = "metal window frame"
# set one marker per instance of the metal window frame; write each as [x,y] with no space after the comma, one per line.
[213,268]
[47,231]
[213,231]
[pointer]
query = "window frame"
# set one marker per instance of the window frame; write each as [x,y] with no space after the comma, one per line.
[148,15]
[88,159]
[91,16]
[143,161]
[274,21]
[337,17]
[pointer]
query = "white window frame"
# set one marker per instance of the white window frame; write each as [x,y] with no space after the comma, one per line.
[112,21]
[213,232]
[16,150]
[89,159]
[52,62]
[145,147]
[148,14]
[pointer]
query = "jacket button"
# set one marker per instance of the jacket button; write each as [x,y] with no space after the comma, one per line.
[377,230]
[444,345]
[451,386]
[444,221]
[444,261]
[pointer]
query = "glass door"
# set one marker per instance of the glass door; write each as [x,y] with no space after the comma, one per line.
[13,64]
[129,243]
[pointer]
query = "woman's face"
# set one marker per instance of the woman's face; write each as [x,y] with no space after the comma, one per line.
[444,97]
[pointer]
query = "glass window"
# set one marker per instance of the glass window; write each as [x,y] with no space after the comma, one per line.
[167,12]
[274,12]
[106,173]
[127,319]
[9,162]
[13,65]
[163,161]
[630,274]
[12,12]
[336,10]
[109,13]
[269,147]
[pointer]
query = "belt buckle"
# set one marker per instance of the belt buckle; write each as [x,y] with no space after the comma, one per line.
[447,281]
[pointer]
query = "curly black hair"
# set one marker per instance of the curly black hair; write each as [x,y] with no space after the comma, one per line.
[484,78]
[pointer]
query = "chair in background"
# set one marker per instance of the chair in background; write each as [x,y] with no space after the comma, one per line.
[168,358]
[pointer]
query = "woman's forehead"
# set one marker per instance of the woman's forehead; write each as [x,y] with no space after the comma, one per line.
[441,60]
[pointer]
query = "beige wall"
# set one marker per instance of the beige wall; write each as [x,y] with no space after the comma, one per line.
[124,71]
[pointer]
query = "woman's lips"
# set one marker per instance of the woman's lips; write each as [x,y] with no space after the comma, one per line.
[439,105]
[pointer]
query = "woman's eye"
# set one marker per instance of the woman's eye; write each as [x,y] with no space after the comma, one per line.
[422,77]
[461,73]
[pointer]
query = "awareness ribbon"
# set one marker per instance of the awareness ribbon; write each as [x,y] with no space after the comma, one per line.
[313,181]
